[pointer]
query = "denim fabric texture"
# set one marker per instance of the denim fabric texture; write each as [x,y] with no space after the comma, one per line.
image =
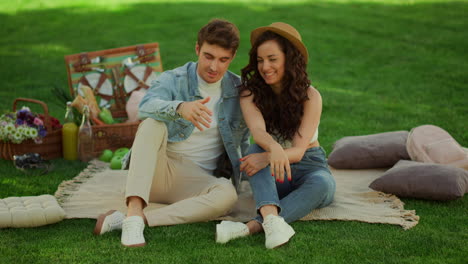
[181,84]
[312,186]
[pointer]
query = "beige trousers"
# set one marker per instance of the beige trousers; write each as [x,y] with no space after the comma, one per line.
[156,175]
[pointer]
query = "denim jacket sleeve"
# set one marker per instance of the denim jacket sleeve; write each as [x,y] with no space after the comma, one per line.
[160,101]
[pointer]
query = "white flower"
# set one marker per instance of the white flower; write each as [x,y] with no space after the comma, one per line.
[17,137]
[21,129]
[10,128]
[26,108]
[27,132]
[33,132]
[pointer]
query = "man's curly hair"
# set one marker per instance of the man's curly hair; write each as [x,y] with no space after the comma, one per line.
[283,112]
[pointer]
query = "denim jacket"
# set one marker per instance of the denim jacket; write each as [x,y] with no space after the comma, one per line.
[178,85]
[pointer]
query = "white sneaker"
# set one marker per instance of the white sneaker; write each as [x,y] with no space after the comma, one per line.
[132,232]
[277,231]
[112,220]
[228,230]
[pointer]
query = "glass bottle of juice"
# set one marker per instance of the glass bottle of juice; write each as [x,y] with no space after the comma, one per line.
[69,135]
[85,138]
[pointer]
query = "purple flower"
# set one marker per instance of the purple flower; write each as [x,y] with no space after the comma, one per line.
[21,114]
[29,119]
[19,122]
[42,131]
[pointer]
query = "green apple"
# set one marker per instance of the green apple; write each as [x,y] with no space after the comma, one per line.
[116,163]
[106,116]
[106,155]
[121,152]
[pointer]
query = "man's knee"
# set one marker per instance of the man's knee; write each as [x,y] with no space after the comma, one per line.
[227,196]
[151,128]
[152,124]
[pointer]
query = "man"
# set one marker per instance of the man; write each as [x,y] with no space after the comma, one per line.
[192,122]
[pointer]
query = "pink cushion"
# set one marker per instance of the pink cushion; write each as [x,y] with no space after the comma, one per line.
[432,144]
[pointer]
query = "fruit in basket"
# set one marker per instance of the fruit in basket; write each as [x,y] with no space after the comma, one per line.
[106,155]
[106,116]
[121,152]
[116,163]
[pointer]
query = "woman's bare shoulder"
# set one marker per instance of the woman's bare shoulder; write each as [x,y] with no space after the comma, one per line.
[314,94]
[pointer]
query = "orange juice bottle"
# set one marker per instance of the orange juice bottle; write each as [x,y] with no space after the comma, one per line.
[69,135]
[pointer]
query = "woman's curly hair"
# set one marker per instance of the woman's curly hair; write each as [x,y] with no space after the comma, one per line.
[282,113]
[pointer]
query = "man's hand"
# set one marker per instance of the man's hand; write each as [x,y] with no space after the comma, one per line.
[196,112]
[253,163]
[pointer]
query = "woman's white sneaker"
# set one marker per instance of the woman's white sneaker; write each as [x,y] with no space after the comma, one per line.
[277,231]
[132,231]
[228,230]
[112,220]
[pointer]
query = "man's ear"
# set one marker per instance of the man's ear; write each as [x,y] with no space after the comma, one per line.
[197,49]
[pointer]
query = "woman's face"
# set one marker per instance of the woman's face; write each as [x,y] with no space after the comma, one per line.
[270,63]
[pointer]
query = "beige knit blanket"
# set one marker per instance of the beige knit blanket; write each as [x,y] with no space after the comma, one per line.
[98,189]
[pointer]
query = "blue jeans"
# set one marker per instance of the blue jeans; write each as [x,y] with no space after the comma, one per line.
[312,186]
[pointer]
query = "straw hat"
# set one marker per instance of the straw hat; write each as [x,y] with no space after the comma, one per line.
[285,30]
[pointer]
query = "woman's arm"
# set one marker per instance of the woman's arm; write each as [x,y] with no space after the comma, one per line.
[275,156]
[309,124]
[256,123]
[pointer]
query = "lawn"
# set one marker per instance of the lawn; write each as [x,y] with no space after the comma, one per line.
[380,66]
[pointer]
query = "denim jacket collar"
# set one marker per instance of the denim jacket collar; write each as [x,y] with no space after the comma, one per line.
[226,83]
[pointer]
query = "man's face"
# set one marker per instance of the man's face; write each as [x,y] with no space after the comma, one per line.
[213,61]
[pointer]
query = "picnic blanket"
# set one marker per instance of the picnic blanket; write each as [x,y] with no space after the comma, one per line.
[98,189]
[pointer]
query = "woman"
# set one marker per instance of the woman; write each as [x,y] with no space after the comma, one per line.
[287,168]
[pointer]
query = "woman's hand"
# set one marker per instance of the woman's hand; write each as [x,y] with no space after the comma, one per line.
[253,163]
[279,163]
[196,112]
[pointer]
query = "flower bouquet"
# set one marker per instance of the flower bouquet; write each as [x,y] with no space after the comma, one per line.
[22,125]
[23,131]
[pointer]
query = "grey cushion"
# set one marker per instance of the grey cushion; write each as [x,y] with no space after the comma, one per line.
[423,180]
[371,151]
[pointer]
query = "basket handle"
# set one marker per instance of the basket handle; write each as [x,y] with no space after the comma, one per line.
[44,107]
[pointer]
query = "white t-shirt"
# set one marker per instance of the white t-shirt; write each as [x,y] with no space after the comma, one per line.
[203,147]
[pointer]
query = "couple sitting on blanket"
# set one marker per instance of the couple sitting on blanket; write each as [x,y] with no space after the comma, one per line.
[194,117]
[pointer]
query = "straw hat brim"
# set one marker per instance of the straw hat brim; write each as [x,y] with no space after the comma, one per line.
[294,40]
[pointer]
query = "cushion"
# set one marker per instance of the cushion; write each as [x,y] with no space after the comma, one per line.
[371,151]
[429,143]
[30,211]
[423,180]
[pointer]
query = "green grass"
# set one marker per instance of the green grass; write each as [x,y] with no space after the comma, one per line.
[380,66]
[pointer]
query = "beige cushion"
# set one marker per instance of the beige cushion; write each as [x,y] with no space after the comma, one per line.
[370,151]
[30,211]
[423,180]
[432,144]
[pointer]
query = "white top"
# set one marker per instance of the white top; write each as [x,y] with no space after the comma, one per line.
[203,147]
[288,143]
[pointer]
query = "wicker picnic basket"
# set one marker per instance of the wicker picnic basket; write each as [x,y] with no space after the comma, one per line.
[51,146]
[113,75]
